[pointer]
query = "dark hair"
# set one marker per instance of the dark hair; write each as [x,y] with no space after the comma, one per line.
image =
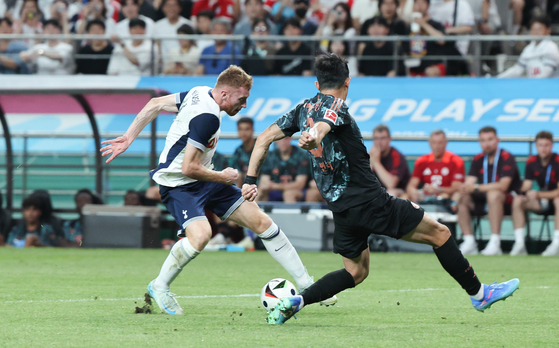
[397,2]
[245,120]
[294,22]
[95,22]
[259,20]
[54,23]
[185,29]
[544,135]
[380,20]
[348,21]
[136,22]
[45,204]
[346,46]
[94,198]
[125,2]
[260,1]
[36,4]
[331,71]
[488,129]
[427,1]
[206,13]
[545,20]
[7,20]
[163,2]
[32,201]
[381,128]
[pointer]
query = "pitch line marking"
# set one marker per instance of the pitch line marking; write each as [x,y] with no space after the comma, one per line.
[233,296]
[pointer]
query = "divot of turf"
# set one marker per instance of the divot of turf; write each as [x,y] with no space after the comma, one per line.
[146,308]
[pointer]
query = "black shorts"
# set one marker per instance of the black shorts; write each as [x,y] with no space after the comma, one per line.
[353,226]
[480,203]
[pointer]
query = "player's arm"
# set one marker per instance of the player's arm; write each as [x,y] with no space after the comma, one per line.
[516,70]
[526,185]
[411,188]
[548,194]
[389,180]
[502,185]
[311,139]
[192,168]
[149,112]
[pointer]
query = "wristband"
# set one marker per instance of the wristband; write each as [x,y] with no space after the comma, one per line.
[251,180]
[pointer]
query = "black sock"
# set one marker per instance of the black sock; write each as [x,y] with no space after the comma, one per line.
[328,286]
[458,267]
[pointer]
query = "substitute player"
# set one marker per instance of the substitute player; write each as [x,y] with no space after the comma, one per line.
[188,184]
[359,204]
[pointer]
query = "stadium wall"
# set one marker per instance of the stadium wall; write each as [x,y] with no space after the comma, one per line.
[516,107]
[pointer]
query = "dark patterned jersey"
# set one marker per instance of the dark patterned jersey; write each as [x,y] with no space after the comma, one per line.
[240,160]
[506,167]
[395,163]
[536,171]
[220,162]
[341,166]
[282,172]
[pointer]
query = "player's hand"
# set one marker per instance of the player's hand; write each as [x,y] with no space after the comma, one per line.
[532,195]
[230,175]
[467,188]
[115,147]
[307,141]
[429,189]
[249,192]
[375,154]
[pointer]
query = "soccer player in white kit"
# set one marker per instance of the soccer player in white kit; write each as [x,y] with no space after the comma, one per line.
[188,185]
[540,58]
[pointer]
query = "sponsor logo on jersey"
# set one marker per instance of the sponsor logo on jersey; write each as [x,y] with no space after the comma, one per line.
[195,98]
[445,171]
[331,116]
[427,171]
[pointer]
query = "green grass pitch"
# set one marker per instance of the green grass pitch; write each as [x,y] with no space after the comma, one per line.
[86,298]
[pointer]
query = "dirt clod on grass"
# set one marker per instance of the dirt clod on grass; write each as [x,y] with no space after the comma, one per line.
[146,308]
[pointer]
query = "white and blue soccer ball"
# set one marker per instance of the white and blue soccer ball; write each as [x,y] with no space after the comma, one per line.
[274,291]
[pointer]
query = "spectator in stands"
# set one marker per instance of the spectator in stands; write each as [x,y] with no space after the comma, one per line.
[443,12]
[131,58]
[338,22]
[221,54]
[363,10]
[256,52]
[47,209]
[440,173]
[301,9]
[203,26]
[132,198]
[148,9]
[388,164]
[219,161]
[341,49]
[293,66]
[95,9]
[30,20]
[5,223]
[493,176]
[130,10]
[254,10]
[101,51]
[241,156]
[378,67]
[486,16]
[282,10]
[284,174]
[59,11]
[388,10]
[539,59]
[420,49]
[169,25]
[221,9]
[73,228]
[184,59]
[53,57]
[31,231]
[10,62]
[544,169]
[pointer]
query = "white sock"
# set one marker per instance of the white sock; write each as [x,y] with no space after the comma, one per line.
[495,239]
[519,234]
[469,238]
[479,295]
[556,237]
[181,254]
[282,251]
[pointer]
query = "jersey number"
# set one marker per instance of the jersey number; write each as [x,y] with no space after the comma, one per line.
[212,143]
[317,153]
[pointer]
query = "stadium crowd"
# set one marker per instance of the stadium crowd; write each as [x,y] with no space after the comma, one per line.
[492,187]
[118,19]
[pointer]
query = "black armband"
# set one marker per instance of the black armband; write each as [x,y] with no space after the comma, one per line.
[251,180]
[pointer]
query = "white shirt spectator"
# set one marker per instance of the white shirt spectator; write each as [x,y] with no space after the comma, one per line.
[538,60]
[123,29]
[405,13]
[443,12]
[47,66]
[494,18]
[189,59]
[163,28]
[364,9]
[120,65]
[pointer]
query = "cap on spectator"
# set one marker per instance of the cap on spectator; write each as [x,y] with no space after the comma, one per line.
[54,23]
[137,22]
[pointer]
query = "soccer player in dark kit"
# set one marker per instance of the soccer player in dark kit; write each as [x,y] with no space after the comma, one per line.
[359,204]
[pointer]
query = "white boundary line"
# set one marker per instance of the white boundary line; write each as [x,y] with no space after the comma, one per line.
[232,296]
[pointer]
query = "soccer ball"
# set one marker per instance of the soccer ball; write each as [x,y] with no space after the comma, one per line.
[274,291]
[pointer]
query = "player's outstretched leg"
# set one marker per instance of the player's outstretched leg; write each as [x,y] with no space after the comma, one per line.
[438,236]
[249,215]
[198,232]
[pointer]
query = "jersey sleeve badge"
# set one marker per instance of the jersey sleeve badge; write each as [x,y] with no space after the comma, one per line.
[331,116]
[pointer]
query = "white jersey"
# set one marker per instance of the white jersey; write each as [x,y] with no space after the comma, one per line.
[197,123]
[535,57]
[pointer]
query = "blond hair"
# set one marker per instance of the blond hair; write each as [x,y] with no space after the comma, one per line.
[234,77]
